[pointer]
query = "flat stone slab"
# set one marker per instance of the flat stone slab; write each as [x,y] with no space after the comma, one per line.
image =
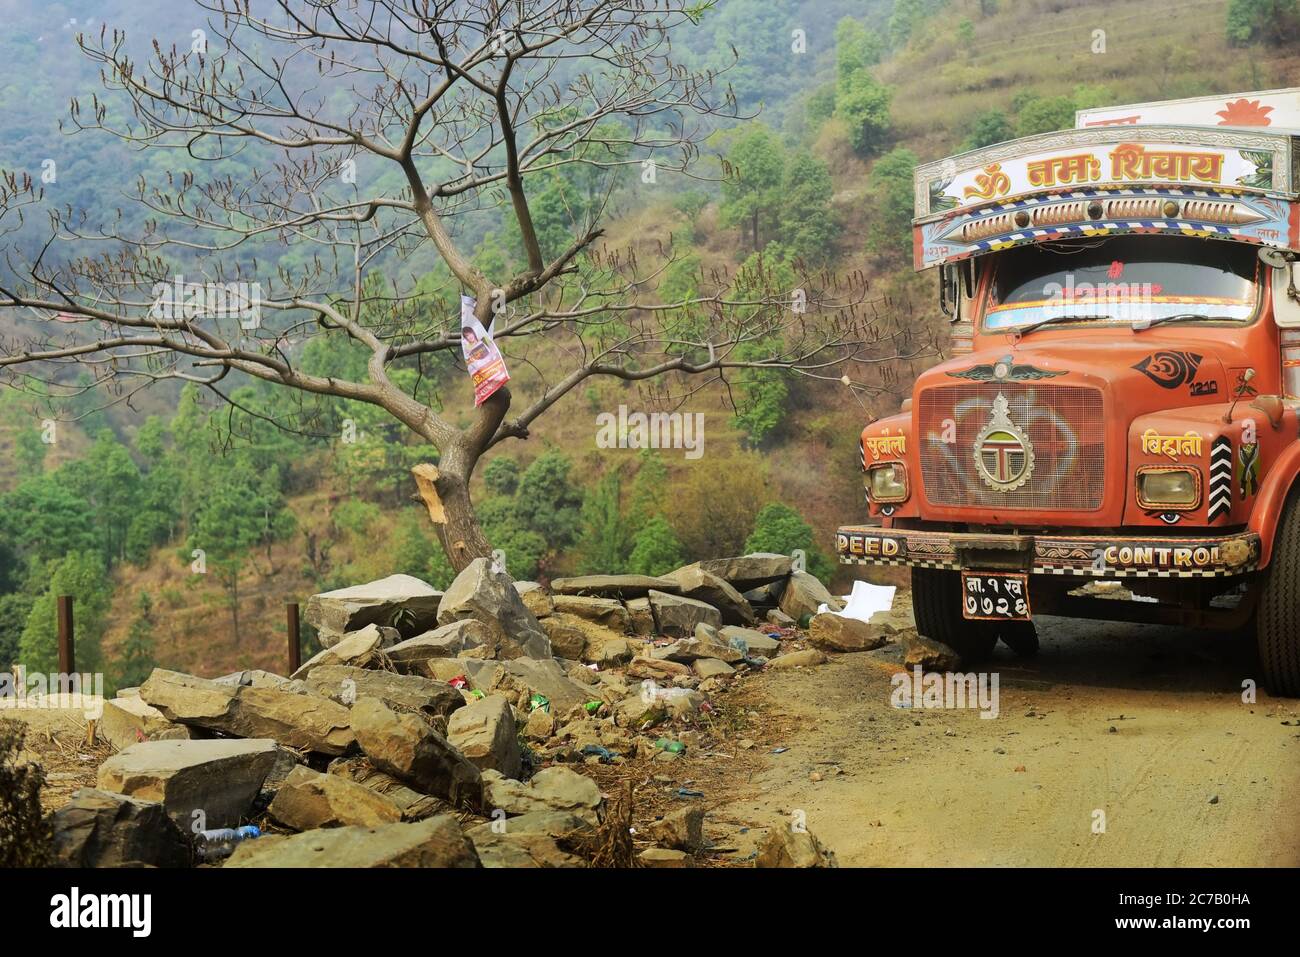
[346,685]
[746,572]
[435,842]
[295,720]
[613,586]
[398,601]
[219,777]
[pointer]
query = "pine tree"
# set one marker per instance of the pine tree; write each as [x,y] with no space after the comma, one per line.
[138,651]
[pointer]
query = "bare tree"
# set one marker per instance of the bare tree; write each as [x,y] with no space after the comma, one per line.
[370,134]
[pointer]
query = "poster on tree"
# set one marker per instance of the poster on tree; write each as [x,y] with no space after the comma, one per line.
[482,357]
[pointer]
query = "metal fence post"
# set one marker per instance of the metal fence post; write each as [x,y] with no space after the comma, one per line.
[67,648]
[295,650]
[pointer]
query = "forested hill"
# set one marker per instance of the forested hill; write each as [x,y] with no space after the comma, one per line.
[182,526]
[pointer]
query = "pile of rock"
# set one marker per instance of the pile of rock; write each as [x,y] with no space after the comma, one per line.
[425,710]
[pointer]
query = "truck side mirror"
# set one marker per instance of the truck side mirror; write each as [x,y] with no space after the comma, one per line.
[1286,299]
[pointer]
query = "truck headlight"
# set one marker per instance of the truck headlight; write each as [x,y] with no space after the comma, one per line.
[887,483]
[1169,488]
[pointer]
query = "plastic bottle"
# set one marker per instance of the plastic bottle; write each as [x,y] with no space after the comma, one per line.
[220,843]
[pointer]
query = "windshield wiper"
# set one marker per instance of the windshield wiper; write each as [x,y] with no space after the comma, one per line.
[1141,324]
[1026,330]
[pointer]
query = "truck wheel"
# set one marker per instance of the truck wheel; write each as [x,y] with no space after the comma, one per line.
[1277,620]
[1021,637]
[936,604]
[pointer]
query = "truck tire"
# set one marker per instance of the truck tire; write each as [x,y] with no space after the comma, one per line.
[936,604]
[1277,620]
[1020,636]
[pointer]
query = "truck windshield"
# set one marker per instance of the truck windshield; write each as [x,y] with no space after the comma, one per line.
[1123,280]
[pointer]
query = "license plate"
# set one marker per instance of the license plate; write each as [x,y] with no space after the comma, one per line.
[996,596]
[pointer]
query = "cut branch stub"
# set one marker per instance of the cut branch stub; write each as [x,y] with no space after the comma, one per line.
[426,482]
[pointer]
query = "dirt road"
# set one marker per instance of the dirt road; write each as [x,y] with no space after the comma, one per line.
[1145,725]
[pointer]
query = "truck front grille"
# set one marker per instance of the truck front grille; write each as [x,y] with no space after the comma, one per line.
[1064,426]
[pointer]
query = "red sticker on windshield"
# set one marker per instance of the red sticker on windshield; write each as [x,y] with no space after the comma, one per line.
[1116,269]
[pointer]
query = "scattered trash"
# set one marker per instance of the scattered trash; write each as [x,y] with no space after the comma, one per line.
[865,601]
[539,701]
[672,747]
[591,707]
[218,844]
[780,750]
[459,682]
[688,793]
[477,693]
[605,754]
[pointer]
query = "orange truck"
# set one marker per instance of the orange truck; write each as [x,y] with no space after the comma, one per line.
[1121,400]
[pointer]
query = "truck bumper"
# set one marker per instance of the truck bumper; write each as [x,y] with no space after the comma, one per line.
[1086,556]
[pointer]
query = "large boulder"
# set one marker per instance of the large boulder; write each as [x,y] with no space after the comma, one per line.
[218,777]
[833,632]
[447,641]
[128,721]
[435,842]
[360,648]
[556,788]
[308,799]
[103,829]
[612,586]
[485,733]
[408,747]
[487,594]
[346,685]
[676,616]
[694,582]
[804,594]
[398,601]
[745,572]
[304,721]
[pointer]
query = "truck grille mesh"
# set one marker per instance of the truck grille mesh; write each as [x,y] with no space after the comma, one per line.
[1064,424]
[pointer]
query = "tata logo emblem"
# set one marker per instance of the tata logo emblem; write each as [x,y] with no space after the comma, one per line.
[1003,453]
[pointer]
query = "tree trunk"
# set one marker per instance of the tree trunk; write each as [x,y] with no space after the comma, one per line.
[445,486]
[446,495]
